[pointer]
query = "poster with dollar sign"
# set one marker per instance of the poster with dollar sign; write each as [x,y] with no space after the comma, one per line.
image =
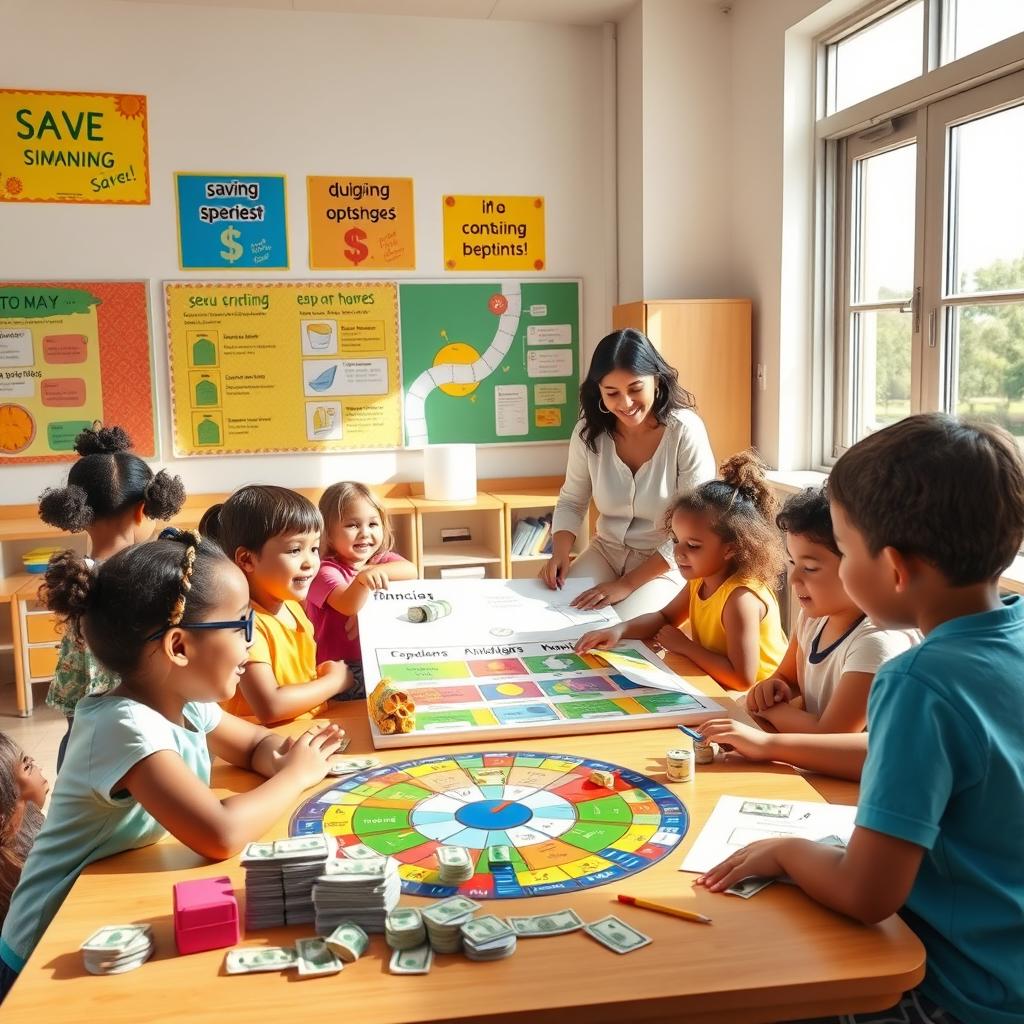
[361,223]
[231,221]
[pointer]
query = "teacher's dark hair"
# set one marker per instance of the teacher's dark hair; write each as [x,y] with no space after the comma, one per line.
[631,351]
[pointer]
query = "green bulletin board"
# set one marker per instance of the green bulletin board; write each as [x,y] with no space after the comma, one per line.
[490,362]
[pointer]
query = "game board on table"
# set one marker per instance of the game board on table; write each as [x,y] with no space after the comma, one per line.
[565,832]
[502,665]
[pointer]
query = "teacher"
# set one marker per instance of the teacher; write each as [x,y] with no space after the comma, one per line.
[638,442]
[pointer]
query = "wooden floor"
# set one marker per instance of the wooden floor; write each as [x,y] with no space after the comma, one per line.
[40,733]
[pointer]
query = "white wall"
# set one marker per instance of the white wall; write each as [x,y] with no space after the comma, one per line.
[458,105]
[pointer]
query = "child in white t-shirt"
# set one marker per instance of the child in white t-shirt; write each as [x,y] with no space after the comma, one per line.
[821,687]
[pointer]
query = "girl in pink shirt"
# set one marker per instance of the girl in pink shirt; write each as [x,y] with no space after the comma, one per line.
[356,557]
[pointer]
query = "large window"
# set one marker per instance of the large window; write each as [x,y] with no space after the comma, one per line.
[922,131]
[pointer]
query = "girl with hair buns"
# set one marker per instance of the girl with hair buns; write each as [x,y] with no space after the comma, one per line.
[115,498]
[172,618]
[23,790]
[729,552]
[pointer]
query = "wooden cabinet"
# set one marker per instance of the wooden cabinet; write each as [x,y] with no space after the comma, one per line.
[708,342]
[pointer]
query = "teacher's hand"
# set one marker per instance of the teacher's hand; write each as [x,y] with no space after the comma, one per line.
[603,595]
[554,571]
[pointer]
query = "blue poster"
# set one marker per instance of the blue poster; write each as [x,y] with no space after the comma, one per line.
[227,222]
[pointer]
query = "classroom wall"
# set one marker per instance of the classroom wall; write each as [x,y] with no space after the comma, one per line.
[459,105]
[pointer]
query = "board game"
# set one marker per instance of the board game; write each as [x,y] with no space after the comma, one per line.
[501,665]
[565,832]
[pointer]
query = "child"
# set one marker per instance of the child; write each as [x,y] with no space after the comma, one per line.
[23,790]
[114,497]
[728,551]
[359,558]
[172,618]
[927,514]
[833,654]
[273,535]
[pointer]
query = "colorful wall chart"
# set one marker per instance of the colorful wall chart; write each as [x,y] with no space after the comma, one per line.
[493,233]
[73,147]
[231,221]
[71,353]
[502,664]
[490,362]
[297,366]
[364,223]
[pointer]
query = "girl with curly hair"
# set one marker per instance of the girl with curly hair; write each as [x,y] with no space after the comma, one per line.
[729,552]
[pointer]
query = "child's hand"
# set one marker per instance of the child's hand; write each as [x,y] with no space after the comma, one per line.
[599,640]
[744,739]
[308,755]
[759,859]
[766,694]
[672,639]
[336,670]
[373,578]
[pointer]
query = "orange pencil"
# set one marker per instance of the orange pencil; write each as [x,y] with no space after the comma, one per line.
[661,908]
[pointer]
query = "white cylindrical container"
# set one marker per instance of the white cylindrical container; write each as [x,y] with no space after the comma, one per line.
[449,472]
[679,765]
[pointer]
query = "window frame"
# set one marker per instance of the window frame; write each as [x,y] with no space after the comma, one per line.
[916,105]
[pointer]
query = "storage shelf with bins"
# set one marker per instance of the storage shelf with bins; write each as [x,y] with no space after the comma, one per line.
[483,516]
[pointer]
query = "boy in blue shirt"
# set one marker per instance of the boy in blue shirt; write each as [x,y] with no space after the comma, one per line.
[927,514]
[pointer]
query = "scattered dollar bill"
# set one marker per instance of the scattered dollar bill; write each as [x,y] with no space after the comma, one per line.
[616,934]
[315,958]
[487,928]
[360,851]
[351,765]
[412,961]
[348,942]
[558,923]
[262,958]
[747,887]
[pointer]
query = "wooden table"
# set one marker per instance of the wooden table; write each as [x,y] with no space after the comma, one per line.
[776,957]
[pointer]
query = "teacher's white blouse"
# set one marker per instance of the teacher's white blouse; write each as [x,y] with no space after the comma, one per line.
[631,509]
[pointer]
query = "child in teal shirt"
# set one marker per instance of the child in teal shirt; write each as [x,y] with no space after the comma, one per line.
[927,514]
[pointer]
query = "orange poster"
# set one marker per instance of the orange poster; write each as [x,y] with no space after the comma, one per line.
[361,223]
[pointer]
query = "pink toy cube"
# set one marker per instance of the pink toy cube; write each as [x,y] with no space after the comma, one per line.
[205,915]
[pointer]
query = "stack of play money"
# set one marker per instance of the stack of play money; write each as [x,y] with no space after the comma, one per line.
[404,928]
[444,922]
[257,959]
[360,891]
[279,878]
[117,948]
[348,942]
[487,938]
[454,865]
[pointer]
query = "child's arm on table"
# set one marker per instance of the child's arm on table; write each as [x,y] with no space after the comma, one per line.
[840,755]
[348,599]
[643,627]
[737,668]
[273,703]
[868,881]
[847,711]
[215,828]
[781,686]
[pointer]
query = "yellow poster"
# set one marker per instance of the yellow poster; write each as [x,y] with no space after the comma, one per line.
[361,222]
[493,233]
[73,147]
[297,366]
